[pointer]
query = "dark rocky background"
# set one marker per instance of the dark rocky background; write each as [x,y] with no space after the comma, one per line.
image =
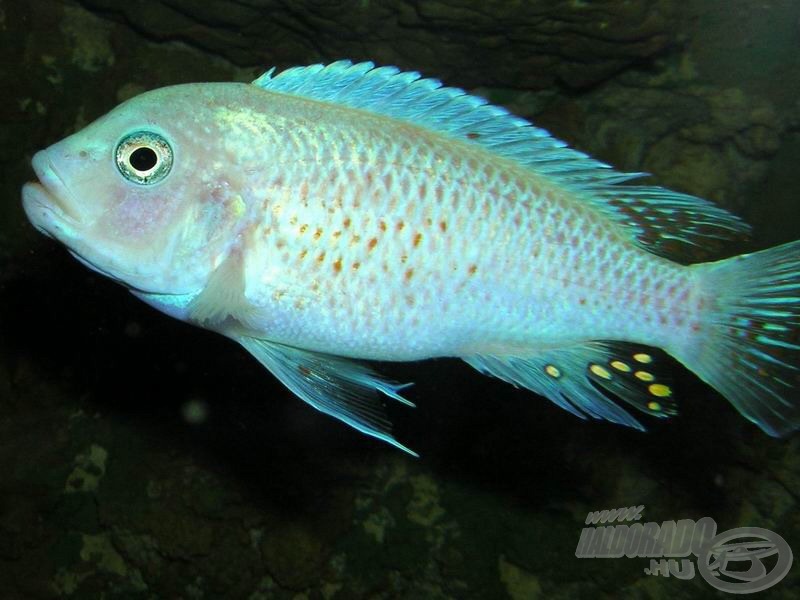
[142,458]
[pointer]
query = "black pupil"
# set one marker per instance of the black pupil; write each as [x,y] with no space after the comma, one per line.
[143,159]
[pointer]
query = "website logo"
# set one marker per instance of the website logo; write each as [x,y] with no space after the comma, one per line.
[738,561]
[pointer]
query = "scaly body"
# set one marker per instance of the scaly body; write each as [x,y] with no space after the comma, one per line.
[341,212]
[376,239]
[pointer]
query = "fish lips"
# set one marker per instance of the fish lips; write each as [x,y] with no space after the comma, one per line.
[49,203]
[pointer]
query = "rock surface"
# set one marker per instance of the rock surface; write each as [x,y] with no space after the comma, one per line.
[527,45]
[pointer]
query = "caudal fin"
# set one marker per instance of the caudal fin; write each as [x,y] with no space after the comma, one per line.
[749,350]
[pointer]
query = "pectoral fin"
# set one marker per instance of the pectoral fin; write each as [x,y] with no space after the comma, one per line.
[339,387]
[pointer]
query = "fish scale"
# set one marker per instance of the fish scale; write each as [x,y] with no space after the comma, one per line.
[339,212]
[361,176]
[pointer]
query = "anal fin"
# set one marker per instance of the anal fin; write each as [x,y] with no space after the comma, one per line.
[577,378]
[336,386]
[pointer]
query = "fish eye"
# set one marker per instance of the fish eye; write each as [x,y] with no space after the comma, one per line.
[144,157]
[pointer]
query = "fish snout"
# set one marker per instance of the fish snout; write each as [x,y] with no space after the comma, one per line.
[48,202]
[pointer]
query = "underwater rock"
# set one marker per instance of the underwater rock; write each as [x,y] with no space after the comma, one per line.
[520,44]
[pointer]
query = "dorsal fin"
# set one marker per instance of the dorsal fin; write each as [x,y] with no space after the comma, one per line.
[653,217]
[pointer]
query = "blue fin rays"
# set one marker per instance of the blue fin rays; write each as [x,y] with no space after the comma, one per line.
[336,386]
[662,221]
[750,352]
[577,377]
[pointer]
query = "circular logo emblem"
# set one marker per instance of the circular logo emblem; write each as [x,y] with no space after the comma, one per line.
[732,561]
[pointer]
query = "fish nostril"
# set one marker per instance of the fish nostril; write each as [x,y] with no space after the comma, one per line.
[83,154]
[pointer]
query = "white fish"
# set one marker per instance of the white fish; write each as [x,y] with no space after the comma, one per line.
[341,212]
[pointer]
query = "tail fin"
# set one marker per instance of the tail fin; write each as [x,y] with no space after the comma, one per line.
[750,349]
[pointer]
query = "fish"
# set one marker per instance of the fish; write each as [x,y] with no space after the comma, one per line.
[331,215]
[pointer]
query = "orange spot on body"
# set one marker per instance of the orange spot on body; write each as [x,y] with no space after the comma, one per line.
[303,229]
[472,135]
[321,258]
[417,239]
[317,233]
[372,243]
[346,222]
[302,254]
[472,269]
[356,266]
[382,226]
[443,226]
[409,274]
[337,265]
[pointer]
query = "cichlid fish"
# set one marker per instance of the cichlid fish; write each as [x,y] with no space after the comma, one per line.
[333,213]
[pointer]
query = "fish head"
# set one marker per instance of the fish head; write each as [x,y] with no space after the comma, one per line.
[147,194]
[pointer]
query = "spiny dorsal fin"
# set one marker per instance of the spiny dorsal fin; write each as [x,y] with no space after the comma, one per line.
[655,218]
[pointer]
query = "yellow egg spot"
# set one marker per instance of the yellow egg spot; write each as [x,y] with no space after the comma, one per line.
[645,376]
[600,371]
[620,366]
[643,358]
[653,405]
[553,371]
[237,206]
[660,390]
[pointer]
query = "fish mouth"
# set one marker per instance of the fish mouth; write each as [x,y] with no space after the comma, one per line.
[48,202]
